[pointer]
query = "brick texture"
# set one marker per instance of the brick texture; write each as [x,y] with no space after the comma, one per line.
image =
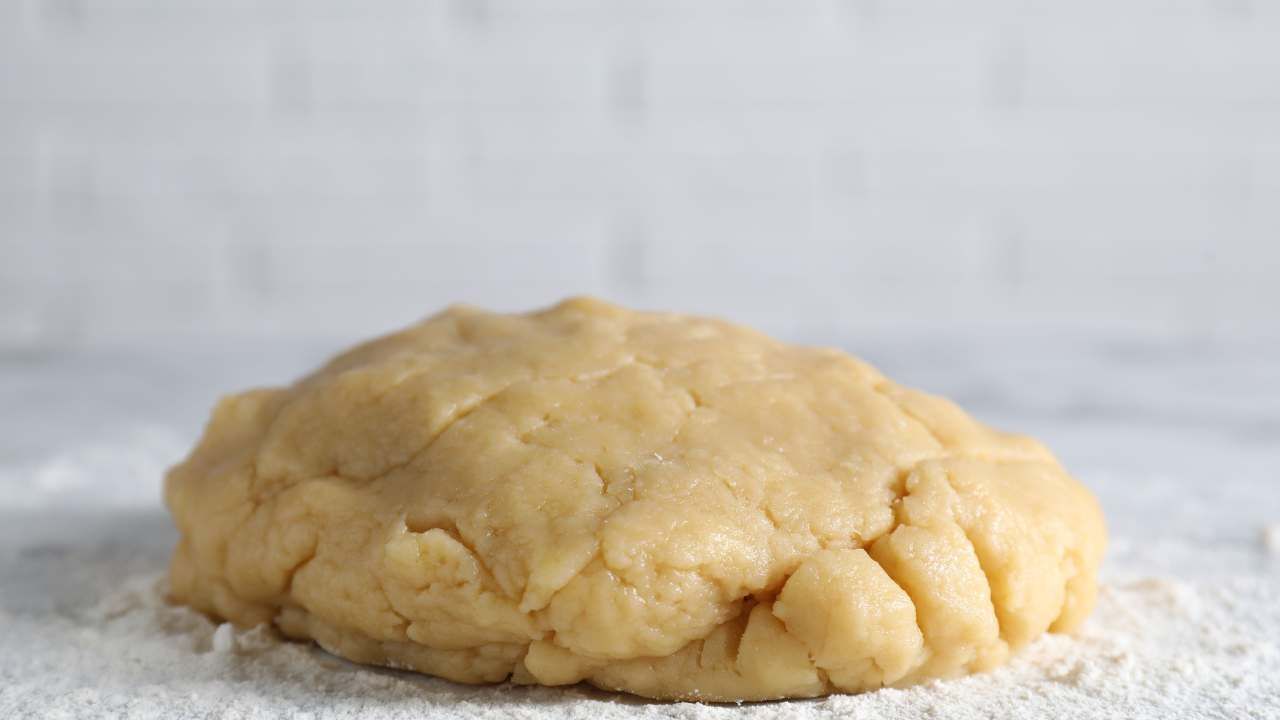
[252,168]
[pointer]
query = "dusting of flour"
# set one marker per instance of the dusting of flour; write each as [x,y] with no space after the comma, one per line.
[1154,648]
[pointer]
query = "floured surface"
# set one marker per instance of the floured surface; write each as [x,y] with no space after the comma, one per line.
[1186,624]
[1156,647]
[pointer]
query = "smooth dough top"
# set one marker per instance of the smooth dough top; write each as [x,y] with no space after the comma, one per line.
[673,506]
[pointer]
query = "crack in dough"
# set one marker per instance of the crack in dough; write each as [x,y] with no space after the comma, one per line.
[661,504]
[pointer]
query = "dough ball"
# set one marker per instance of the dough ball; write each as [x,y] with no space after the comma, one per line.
[667,505]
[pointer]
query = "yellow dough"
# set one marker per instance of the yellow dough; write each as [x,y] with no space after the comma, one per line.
[672,506]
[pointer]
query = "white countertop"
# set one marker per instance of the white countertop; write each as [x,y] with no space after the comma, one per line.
[1180,442]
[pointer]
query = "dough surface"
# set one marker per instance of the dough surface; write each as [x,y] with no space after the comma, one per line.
[667,505]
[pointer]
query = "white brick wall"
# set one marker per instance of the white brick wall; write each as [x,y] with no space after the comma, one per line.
[175,168]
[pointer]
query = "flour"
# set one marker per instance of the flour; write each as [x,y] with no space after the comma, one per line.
[224,638]
[1155,647]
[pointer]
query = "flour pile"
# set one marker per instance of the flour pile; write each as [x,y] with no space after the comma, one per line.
[1154,647]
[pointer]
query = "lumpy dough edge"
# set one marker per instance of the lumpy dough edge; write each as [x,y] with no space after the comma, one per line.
[660,504]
